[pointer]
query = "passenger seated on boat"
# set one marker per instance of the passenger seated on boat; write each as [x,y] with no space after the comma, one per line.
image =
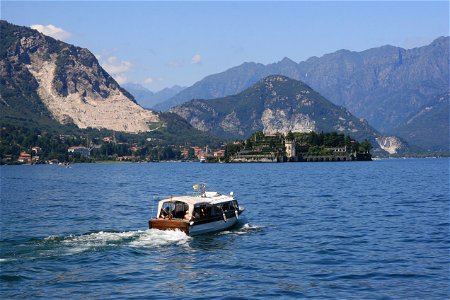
[186,215]
[196,214]
[162,214]
[165,214]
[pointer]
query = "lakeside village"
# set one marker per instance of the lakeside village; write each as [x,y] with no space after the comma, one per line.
[260,147]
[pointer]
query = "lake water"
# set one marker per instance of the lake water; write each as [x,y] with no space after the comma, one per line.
[350,230]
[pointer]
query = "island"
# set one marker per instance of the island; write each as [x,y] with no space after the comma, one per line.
[297,147]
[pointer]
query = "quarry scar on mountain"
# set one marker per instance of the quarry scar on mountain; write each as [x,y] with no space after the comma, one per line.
[115,112]
[278,104]
[64,82]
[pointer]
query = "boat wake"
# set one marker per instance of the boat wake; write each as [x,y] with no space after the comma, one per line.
[243,229]
[57,246]
[155,238]
[104,239]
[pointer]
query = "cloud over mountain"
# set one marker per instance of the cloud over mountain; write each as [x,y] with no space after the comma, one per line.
[53,31]
[196,59]
[116,67]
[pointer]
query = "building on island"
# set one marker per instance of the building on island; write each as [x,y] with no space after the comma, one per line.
[36,150]
[24,158]
[83,151]
[290,149]
[219,153]
[299,147]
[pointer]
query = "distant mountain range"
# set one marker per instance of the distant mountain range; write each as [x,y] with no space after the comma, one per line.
[277,104]
[147,98]
[46,83]
[384,85]
[418,130]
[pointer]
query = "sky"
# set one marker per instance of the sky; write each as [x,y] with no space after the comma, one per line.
[160,44]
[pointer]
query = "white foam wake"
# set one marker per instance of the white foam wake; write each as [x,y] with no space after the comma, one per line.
[244,229]
[150,238]
[155,237]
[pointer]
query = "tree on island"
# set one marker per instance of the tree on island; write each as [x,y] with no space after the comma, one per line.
[365,146]
[290,136]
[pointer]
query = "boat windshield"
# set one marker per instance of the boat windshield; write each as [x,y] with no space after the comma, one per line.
[206,211]
[174,210]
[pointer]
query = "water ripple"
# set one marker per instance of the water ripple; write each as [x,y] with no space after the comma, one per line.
[375,230]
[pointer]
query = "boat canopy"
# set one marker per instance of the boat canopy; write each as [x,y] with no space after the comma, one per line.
[208,198]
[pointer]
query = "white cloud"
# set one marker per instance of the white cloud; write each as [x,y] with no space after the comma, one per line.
[53,31]
[115,66]
[148,80]
[196,59]
[120,78]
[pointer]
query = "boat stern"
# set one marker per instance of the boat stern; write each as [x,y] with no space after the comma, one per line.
[164,224]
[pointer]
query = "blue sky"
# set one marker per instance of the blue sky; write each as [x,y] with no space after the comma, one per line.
[160,44]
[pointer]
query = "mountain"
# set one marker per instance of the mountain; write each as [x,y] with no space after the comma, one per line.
[147,98]
[429,126]
[383,85]
[275,104]
[46,81]
[140,93]
[231,82]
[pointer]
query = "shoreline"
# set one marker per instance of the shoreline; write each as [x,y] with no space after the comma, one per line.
[112,162]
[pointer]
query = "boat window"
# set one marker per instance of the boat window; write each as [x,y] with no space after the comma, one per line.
[216,210]
[180,210]
[176,209]
[235,204]
[202,212]
[226,206]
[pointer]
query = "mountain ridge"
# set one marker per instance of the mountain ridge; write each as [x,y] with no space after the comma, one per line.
[274,104]
[67,80]
[383,85]
[147,98]
[416,130]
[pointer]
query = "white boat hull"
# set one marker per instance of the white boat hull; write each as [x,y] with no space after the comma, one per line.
[212,226]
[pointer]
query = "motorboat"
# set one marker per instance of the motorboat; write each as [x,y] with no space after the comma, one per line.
[198,213]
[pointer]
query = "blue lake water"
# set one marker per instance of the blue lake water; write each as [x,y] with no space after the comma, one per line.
[350,230]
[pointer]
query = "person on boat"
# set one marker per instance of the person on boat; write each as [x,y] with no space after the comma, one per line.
[166,213]
[186,215]
[203,188]
[169,213]
[196,215]
[162,214]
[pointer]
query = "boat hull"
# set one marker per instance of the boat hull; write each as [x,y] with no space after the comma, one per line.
[163,224]
[195,228]
[212,226]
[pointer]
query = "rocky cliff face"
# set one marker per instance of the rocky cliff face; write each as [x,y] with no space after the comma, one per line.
[64,82]
[391,144]
[275,104]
